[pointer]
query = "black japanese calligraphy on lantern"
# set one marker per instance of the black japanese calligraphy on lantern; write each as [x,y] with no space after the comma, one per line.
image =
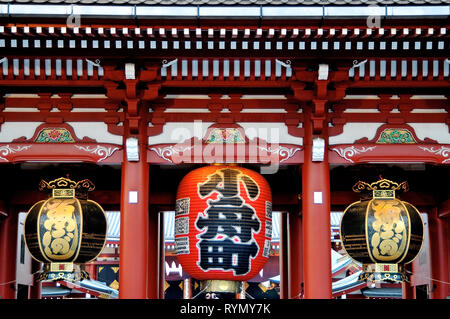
[228,243]
[227,254]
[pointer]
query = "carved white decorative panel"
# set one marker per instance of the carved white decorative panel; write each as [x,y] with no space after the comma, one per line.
[9,131]
[95,130]
[355,131]
[436,131]
[271,133]
[182,131]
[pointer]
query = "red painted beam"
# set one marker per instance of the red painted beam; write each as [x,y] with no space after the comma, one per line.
[186,103]
[340,199]
[104,103]
[375,103]
[60,117]
[53,83]
[387,117]
[399,83]
[212,117]
[103,197]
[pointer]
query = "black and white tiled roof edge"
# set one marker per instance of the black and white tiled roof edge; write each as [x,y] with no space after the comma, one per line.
[235,2]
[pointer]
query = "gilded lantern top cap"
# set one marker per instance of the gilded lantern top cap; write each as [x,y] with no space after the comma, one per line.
[66,188]
[383,188]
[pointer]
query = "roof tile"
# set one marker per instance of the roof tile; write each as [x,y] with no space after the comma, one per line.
[237,2]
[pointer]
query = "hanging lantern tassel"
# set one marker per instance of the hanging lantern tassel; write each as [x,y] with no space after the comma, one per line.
[66,230]
[382,232]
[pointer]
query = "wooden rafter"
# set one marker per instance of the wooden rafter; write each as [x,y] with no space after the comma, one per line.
[271,42]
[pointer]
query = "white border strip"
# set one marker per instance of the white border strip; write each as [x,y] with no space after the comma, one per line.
[223,11]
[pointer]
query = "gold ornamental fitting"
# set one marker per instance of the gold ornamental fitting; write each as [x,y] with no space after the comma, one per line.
[382,189]
[66,188]
[231,286]
[63,193]
[382,268]
[381,272]
[61,267]
[385,194]
[63,271]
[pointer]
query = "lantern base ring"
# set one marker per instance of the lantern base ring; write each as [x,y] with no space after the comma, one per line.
[63,271]
[383,273]
[226,286]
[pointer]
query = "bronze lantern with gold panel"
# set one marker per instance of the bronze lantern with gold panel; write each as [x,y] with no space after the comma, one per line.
[65,231]
[381,231]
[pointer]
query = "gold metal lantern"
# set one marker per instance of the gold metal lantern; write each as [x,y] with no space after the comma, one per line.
[381,231]
[66,230]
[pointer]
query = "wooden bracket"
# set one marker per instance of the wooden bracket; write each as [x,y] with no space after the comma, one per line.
[151,92]
[321,88]
[132,104]
[299,90]
[340,91]
[318,116]
[113,92]
[111,74]
[45,103]
[132,115]
[133,124]
[130,88]
[338,126]
[149,73]
[65,104]
[293,129]
[405,104]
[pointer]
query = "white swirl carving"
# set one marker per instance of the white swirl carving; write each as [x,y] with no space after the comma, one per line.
[351,151]
[6,150]
[285,153]
[99,150]
[443,151]
[167,152]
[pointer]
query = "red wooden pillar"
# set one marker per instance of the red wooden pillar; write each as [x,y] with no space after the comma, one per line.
[295,259]
[8,244]
[154,248]
[316,218]
[36,288]
[91,269]
[162,252]
[134,222]
[284,256]
[439,253]
[407,289]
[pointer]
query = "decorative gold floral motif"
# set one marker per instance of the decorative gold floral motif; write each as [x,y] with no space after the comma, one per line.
[383,277]
[60,239]
[390,237]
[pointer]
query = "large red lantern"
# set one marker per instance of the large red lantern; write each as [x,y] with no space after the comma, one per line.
[223,223]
